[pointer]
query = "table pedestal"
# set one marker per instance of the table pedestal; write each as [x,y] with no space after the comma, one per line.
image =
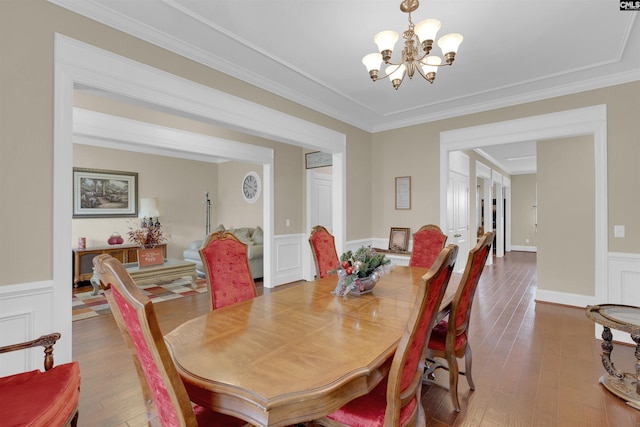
[622,384]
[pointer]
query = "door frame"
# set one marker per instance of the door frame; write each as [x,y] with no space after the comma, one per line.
[580,121]
[77,62]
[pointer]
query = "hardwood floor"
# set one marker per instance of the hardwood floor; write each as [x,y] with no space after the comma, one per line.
[534,364]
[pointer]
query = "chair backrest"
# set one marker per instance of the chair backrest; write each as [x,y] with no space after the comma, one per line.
[162,388]
[227,269]
[427,244]
[324,250]
[405,375]
[463,299]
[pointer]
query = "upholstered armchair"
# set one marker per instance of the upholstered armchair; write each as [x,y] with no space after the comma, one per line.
[165,396]
[324,250]
[449,340]
[395,401]
[38,398]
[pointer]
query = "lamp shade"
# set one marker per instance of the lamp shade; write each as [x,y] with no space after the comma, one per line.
[450,43]
[386,40]
[396,72]
[148,208]
[430,65]
[427,29]
[372,61]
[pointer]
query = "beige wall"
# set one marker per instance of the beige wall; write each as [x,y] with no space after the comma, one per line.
[27,30]
[523,213]
[180,186]
[566,225]
[233,210]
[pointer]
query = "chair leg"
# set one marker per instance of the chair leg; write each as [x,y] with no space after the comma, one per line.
[467,366]
[453,380]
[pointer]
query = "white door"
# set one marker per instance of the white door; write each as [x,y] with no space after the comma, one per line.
[321,207]
[458,216]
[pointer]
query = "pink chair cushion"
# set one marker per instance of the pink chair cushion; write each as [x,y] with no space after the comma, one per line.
[325,250]
[438,338]
[368,410]
[40,399]
[427,245]
[162,400]
[230,276]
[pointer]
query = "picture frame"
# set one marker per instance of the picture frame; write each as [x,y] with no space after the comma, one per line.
[104,193]
[318,159]
[399,239]
[403,192]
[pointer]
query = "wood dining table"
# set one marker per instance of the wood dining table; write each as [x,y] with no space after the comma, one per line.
[296,354]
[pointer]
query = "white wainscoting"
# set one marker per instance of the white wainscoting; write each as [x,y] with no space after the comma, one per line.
[25,314]
[624,287]
[288,258]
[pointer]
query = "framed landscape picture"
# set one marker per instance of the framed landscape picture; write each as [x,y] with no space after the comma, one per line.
[104,194]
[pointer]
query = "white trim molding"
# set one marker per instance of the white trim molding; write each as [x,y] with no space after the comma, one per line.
[79,64]
[580,121]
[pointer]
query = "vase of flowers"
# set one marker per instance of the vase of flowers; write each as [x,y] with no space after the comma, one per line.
[146,233]
[359,271]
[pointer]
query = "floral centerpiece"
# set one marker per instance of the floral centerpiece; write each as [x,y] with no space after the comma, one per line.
[146,233]
[360,271]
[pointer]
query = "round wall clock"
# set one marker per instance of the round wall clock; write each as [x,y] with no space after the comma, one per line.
[251,187]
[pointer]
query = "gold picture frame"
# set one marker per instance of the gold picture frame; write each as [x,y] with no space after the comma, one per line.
[399,239]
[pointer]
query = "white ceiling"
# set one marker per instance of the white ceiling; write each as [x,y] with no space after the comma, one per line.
[310,51]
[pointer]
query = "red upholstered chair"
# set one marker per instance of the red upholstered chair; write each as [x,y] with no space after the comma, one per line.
[449,337]
[40,399]
[324,250]
[427,244]
[164,393]
[396,400]
[229,279]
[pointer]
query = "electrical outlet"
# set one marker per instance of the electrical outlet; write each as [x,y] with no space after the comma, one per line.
[526,241]
[618,230]
[287,222]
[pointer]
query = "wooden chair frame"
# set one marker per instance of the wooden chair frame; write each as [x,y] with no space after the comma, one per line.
[455,329]
[396,398]
[46,341]
[112,275]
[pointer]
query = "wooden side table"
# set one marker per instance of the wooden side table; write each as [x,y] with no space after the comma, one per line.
[622,318]
[83,258]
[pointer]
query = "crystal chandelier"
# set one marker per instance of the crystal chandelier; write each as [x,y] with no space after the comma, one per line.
[418,41]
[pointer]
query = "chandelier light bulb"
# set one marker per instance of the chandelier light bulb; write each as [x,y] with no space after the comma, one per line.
[386,41]
[431,63]
[372,62]
[396,74]
[449,45]
[427,29]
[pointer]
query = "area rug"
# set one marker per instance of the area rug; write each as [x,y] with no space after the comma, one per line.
[85,305]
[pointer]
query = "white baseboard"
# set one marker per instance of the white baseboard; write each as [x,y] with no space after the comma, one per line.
[564,298]
[524,248]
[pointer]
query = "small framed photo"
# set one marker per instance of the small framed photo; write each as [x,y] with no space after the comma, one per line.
[399,239]
[403,192]
[104,194]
